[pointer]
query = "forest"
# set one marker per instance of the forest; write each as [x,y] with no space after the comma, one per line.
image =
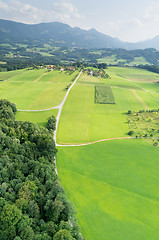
[33,204]
[15,57]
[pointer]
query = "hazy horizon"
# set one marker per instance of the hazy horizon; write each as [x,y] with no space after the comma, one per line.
[128,21]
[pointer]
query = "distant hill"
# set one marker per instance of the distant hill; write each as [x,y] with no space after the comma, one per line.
[150,43]
[58,33]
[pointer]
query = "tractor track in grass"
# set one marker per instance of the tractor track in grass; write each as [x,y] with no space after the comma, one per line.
[42,110]
[89,143]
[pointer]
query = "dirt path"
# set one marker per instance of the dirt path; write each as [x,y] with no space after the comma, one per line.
[61,106]
[43,110]
[139,99]
[84,144]
[36,80]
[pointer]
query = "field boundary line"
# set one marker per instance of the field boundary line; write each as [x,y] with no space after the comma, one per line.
[42,110]
[37,79]
[56,107]
[140,99]
[60,107]
[85,144]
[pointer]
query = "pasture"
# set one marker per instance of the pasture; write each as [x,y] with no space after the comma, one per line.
[32,90]
[84,121]
[114,61]
[113,184]
[135,73]
[36,117]
[115,80]
[114,187]
[10,74]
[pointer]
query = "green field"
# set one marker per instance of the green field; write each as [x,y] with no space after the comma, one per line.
[84,121]
[113,184]
[104,95]
[114,61]
[114,187]
[36,117]
[10,74]
[135,73]
[35,89]
[115,80]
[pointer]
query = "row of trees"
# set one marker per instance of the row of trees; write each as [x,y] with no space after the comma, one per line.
[33,204]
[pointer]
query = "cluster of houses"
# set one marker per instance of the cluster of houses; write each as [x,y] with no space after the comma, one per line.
[96,73]
[60,68]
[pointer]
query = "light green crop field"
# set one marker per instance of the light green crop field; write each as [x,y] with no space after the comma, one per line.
[113,60]
[115,80]
[135,73]
[33,96]
[10,74]
[43,75]
[113,184]
[84,121]
[141,78]
[35,89]
[114,187]
[36,117]
[58,77]
[28,75]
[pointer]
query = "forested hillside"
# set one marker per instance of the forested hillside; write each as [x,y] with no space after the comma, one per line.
[33,204]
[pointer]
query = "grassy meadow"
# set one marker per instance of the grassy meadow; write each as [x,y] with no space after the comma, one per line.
[32,90]
[84,121]
[114,187]
[113,184]
[36,117]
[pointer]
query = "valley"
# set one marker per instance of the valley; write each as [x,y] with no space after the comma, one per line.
[113,184]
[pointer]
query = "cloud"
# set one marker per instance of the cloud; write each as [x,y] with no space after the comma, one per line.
[66,10]
[3,6]
[27,13]
[126,30]
[17,11]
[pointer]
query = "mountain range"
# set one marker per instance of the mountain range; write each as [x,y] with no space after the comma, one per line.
[62,34]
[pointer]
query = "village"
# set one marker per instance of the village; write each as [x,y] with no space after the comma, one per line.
[95,72]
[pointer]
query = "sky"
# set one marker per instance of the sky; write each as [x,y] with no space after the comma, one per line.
[128,20]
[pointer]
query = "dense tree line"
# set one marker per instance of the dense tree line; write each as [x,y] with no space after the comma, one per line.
[32,54]
[33,204]
[151,68]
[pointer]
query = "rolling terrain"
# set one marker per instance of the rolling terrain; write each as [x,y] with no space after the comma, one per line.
[113,184]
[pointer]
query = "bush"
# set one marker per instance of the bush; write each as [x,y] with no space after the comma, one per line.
[130,133]
[51,124]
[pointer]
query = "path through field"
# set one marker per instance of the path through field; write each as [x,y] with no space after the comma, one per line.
[61,106]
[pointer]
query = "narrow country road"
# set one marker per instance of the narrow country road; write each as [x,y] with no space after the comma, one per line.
[61,106]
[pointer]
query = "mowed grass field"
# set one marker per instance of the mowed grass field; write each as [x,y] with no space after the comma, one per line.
[35,89]
[36,117]
[114,187]
[113,184]
[10,74]
[142,78]
[83,121]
